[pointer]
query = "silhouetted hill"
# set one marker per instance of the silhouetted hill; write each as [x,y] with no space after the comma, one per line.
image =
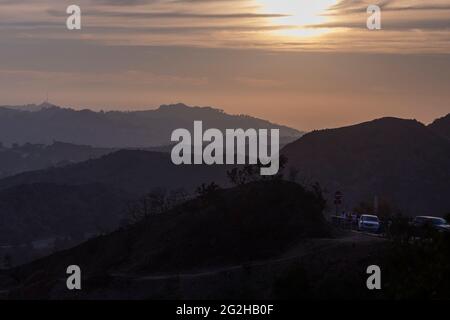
[46,123]
[29,157]
[45,211]
[133,171]
[441,126]
[233,226]
[401,161]
[31,203]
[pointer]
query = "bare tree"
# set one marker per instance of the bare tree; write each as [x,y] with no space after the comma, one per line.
[153,203]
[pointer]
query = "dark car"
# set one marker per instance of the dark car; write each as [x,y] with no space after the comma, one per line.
[421,223]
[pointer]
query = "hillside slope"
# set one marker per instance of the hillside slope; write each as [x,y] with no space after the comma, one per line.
[441,126]
[401,161]
[133,171]
[233,226]
[45,211]
[29,157]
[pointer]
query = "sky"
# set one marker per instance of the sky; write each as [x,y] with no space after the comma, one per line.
[303,63]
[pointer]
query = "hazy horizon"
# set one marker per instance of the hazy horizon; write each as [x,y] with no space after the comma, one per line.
[153,108]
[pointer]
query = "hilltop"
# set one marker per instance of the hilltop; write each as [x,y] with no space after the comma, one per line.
[402,162]
[256,221]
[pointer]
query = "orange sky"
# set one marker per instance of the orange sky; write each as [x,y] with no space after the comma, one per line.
[307,64]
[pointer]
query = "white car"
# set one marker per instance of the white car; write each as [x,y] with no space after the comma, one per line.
[369,223]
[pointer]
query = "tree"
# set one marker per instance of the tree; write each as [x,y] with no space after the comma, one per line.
[239,176]
[150,204]
[252,172]
[176,197]
[207,190]
[153,203]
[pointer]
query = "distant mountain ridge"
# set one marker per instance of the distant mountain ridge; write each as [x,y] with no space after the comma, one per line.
[118,129]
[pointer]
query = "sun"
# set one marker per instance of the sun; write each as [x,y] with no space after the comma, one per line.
[299,13]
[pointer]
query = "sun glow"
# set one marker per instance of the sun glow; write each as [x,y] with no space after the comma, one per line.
[299,13]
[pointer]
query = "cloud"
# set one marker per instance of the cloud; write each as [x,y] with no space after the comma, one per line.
[131,77]
[441,24]
[124,2]
[169,14]
[237,24]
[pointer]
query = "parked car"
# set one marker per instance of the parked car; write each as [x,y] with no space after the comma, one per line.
[369,223]
[436,223]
